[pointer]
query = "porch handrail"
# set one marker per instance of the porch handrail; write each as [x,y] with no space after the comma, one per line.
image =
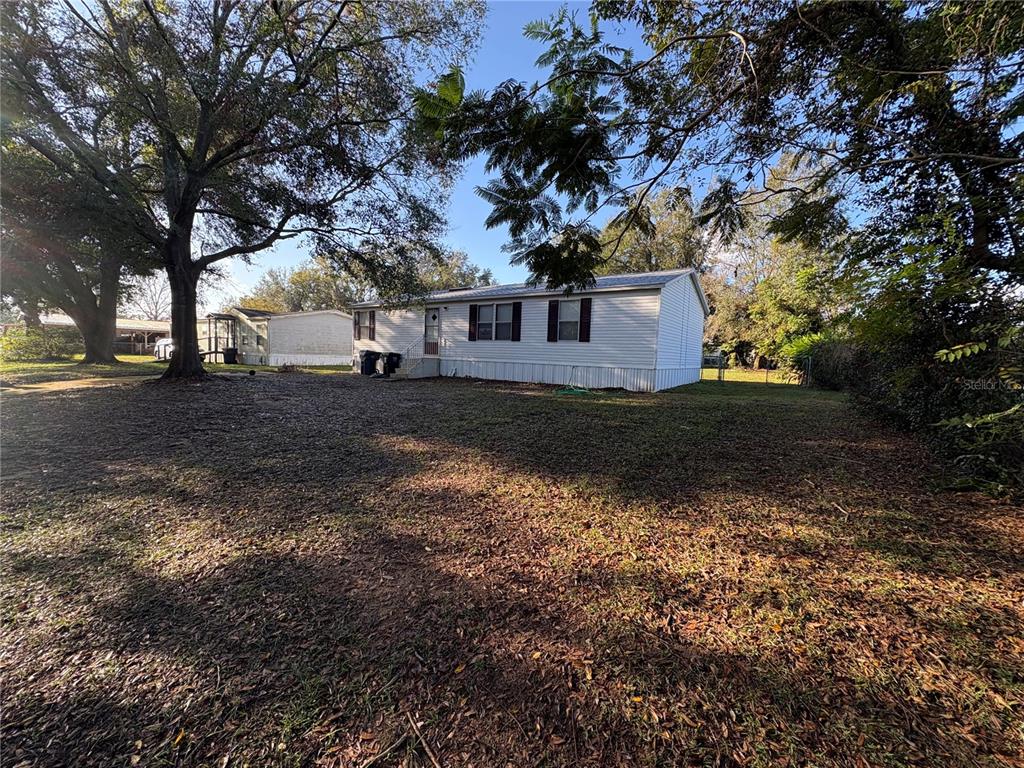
[419,340]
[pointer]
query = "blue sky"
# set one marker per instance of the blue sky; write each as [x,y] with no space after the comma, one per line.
[503,54]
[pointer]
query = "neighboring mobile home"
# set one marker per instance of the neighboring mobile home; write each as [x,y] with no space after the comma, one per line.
[641,332]
[287,338]
[131,336]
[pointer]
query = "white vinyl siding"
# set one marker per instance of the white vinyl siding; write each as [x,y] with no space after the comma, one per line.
[310,338]
[680,333]
[623,328]
[395,331]
[252,339]
[640,340]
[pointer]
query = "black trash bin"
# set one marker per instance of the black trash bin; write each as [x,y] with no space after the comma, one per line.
[231,355]
[368,362]
[392,362]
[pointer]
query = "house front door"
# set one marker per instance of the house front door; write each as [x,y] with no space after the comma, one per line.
[431,331]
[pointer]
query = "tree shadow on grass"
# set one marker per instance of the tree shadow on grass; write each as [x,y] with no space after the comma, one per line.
[324,652]
[309,565]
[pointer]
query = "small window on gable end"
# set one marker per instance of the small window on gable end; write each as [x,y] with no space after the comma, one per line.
[363,325]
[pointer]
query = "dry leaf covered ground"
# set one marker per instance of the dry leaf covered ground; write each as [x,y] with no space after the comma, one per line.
[326,570]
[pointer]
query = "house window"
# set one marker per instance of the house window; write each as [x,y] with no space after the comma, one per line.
[364,324]
[503,322]
[568,320]
[485,322]
[494,321]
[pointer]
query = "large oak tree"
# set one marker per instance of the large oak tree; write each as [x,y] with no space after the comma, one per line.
[61,250]
[248,122]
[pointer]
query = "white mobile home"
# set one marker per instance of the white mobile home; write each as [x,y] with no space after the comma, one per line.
[280,338]
[641,332]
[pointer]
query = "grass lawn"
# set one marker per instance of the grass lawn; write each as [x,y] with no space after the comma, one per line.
[750,375]
[330,570]
[18,373]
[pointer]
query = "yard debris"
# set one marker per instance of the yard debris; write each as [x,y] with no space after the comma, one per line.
[426,747]
[546,580]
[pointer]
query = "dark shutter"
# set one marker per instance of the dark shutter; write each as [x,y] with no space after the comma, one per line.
[373,325]
[517,319]
[584,319]
[472,322]
[553,320]
[355,326]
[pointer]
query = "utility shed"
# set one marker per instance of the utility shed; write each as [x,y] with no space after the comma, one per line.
[641,332]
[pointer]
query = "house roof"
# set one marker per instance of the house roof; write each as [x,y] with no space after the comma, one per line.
[249,312]
[340,313]
[632,281]
[260,314]
[121,323]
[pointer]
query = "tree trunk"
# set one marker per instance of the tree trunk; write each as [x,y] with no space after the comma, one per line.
[30,311]
[98,336]
[99,325]
[185,360]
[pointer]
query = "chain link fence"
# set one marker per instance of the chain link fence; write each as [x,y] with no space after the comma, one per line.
[717,368]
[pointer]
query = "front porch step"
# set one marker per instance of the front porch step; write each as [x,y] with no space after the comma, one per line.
[426,368]
[423,368]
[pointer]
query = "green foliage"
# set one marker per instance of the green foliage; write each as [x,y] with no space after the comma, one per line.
[989,443]
[236,125]
[797,351]
[723,211]
[765,289]
[319,284]
[961,350]
[19,344]
[314,285]
[941,352]
[449,269]
[826,360]
[666,235]
[62,249]
[799,296]
[893,218]
[729,326]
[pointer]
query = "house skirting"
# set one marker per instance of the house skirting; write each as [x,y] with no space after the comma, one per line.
[252,358]
[301,359]
[590,376]
[666,378]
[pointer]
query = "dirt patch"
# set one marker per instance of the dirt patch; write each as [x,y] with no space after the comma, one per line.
[60,386]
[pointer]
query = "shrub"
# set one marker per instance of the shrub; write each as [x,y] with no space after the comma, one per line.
[989,439]
[967,398]
[20,344]
[827,361]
